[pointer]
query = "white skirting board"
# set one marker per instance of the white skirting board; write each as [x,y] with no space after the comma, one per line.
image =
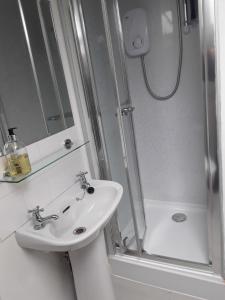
[131,290]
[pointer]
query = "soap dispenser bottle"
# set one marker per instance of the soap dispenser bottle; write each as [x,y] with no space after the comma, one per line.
[3,163]
[18,162]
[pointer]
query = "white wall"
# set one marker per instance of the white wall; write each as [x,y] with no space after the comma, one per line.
[170,134]
[29,274]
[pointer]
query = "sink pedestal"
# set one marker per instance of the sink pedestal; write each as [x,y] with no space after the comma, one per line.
[91,271]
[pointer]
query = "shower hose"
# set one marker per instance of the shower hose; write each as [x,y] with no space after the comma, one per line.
[148,85]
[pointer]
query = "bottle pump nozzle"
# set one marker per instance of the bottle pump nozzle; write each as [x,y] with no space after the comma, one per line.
[12,136]
[11,131]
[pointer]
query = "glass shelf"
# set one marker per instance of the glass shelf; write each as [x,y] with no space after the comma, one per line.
[44,163]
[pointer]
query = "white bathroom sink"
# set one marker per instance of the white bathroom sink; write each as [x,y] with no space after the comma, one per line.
[92,213]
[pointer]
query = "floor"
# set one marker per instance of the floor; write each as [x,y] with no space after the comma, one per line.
[185,240]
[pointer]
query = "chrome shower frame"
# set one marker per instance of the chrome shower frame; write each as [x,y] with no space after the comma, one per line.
[213,153]
[212,140]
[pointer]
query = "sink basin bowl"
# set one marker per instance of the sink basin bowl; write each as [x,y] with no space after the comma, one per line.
[80,221]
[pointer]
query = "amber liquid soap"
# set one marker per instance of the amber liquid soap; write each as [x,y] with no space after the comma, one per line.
[18,162]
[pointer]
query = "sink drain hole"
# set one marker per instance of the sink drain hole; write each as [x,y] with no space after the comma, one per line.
[79,230]
[179,217]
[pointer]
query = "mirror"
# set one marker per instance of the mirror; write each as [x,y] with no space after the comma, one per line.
[33,90]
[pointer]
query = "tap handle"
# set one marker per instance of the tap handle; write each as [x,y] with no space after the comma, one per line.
[36,210]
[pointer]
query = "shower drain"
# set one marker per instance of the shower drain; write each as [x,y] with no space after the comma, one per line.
[179,217]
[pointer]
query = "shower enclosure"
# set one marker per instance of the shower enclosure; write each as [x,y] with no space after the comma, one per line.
[148,75]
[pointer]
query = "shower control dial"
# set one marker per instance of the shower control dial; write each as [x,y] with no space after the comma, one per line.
[135,32]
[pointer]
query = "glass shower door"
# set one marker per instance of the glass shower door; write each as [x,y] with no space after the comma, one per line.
[125,111]
[104,94]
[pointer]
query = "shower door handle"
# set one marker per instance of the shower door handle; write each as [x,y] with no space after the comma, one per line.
[126,110]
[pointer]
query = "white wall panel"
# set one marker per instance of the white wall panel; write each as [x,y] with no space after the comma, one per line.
[170,134]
